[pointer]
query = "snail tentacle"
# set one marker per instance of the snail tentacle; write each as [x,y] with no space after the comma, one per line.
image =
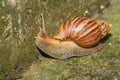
[43,24]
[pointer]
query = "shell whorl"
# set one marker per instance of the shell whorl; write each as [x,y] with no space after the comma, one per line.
[85,32]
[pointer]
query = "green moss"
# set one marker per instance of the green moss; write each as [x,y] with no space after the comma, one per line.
[19,55]
[105,65]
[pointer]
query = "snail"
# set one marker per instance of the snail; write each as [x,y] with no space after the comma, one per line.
[78,36]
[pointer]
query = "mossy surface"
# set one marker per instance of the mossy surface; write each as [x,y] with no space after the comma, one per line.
[104,65]
[21,60]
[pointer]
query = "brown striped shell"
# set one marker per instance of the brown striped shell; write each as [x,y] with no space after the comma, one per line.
[85,32]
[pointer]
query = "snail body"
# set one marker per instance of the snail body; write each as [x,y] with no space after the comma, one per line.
[76,37]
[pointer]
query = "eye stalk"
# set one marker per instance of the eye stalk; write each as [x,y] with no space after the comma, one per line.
[42,33]
[43,25]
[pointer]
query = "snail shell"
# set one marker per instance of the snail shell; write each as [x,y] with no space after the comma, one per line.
[85,32]
[76,37]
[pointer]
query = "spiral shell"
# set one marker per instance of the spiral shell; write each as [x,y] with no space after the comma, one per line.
[86,32]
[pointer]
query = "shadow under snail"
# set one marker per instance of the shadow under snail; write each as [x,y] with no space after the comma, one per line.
[78,36]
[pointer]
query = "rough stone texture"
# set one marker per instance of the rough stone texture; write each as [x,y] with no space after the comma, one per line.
[19,23]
